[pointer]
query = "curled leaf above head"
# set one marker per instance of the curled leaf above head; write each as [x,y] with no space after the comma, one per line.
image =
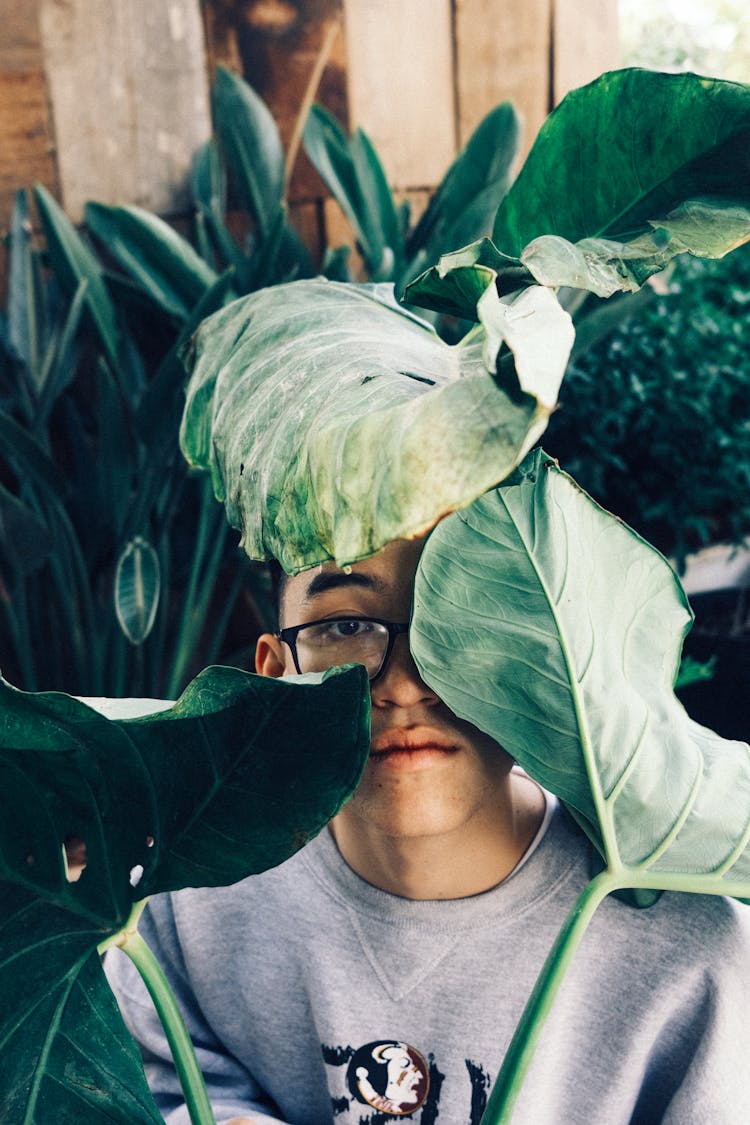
[334,421]
[550,625]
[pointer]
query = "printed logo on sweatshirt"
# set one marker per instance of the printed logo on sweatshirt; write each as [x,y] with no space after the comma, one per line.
[392,1079]
[389,1076]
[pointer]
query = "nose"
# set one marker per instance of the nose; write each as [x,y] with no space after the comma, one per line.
[400,684]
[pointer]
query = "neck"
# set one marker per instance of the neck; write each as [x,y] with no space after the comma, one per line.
[470,859]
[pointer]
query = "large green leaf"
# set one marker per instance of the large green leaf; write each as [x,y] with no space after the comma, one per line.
[231,780]
[553,627]
[67,1056]
[625,173]
[154,255]
[333,421]
[627,149]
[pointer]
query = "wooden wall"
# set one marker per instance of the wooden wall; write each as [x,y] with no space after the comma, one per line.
[109,100]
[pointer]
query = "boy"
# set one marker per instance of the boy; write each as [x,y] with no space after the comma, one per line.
[381,972]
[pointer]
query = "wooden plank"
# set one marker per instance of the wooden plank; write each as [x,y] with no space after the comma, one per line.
[585,43]
[129,92]
[275,46]
[27,152]
[503,54]
[400,80]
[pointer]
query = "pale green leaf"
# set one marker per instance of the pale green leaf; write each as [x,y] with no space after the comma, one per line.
[705,228]
[554,628]
[137,587]
[333,421]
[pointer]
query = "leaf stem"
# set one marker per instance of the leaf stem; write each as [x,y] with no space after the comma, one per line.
[180,1044]
[519,1054]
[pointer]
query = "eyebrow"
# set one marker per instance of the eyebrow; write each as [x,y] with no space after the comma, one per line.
[336,579]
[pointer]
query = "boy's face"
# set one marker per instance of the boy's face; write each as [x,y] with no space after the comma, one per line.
[428,771]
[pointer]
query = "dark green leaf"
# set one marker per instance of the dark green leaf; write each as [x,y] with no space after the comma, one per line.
[456,284]
[236,752]
[160,407]
[73,261]
[252,146]
[372,430]
[66,1056]
[232,779]
[25,540]
[153,254]
[59,366]
[28,457]
[625,150]
[379,208]
[568,659]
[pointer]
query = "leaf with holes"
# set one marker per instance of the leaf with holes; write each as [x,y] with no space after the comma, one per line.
[230,780]
[534,619]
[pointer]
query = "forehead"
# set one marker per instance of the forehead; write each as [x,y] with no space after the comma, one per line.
[386,579]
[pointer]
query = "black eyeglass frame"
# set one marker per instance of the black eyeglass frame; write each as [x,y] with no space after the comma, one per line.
[394,629]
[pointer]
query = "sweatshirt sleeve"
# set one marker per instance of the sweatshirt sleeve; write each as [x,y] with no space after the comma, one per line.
[232,1090]
[714,1085]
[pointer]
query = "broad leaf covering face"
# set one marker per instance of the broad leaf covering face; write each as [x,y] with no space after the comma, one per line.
[231,780]
[557,630]
[333,421]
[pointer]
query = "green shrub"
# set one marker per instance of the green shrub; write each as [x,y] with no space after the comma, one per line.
[654,419]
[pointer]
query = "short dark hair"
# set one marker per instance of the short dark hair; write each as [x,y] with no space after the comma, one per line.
[278,578]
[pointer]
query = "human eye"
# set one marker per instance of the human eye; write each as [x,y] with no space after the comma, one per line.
[344,628]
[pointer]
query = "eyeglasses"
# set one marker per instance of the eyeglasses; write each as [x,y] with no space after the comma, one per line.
[318,645]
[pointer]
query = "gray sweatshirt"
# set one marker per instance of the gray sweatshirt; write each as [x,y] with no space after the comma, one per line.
[314,998]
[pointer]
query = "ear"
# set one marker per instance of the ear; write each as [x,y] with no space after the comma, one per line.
[270,656]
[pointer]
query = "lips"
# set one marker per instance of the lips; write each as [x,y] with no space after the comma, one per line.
[411,743]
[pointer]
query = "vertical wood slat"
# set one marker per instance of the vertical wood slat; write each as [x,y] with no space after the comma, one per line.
[400,81]
[129,90]
[503,54]
[585,43]
[27,151]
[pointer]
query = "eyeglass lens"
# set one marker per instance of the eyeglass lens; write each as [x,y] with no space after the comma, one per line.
[327,643]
